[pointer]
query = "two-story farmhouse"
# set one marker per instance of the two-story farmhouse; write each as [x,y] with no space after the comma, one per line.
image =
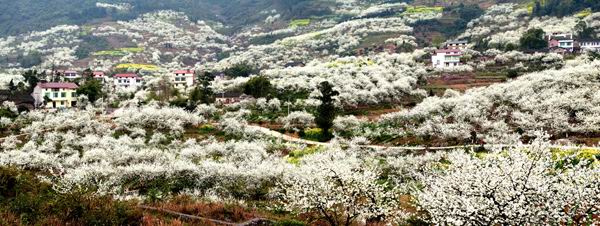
[55,95]
[183,78]
[128,80]
[444,58]
[561,40]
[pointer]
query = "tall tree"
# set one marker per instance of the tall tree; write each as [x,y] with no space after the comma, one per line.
[239,70]
[32,79]
[583,31]
[11,86]
[203,93]
[533,39]
[326,112]
[258,87]
[92,89]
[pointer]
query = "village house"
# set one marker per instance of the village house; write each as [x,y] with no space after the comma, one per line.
[444,58]
[128,80]
[183,78]
[589,45]
[55,95]
[70,74]
[561,40]
[229,97]
[99,75]
[457,44]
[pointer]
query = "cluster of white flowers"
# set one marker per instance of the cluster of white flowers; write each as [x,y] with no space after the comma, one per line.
[346,124]
[511,187]
[57,45]
[341,187]
[556,101]
[119,7]
[359,80]
[298,120]
[543,60]
[163,119]
[85,148]
[505,24]
[498,18]
[403,40]
[341,38]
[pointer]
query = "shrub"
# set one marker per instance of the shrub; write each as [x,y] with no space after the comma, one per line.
[512,73]
[314,134]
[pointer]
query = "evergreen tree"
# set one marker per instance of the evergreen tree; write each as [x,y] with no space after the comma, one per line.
[11,86]
[326,112]
[31,78]
[203,93]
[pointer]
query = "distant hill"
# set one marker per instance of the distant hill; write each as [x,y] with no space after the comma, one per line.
[31,15]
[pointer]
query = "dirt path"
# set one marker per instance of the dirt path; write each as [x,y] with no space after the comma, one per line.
[400,149]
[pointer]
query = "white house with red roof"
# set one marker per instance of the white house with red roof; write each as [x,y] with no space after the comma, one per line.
[590,45]
[100,75]
[443,58]
[55,95]
[128,80]
[70,74]
[183,78]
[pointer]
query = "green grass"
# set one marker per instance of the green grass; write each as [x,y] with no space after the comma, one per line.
[583,13]
[300,23]
[412,10]
[147,67]
[295,156]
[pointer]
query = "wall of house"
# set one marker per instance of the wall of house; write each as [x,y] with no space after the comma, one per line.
[61,98]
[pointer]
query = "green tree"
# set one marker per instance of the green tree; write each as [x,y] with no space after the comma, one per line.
[240,70]
[31,78]
[583,31]
[258,87]
[203,93]
[92,89]
[533,39]
[326,112]
[11,86]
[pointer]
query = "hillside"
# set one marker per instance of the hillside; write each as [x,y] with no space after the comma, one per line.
[28,15]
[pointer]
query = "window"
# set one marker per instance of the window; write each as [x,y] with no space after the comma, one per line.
[56,95]
[63,94]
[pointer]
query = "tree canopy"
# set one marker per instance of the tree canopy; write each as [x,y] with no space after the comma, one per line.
[533,39]
[326,112]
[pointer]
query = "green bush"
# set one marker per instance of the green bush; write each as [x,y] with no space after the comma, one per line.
[313,134]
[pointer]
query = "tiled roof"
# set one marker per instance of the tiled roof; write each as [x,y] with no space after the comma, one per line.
[58,85]
[126,75]
[448,51]
[184,72]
